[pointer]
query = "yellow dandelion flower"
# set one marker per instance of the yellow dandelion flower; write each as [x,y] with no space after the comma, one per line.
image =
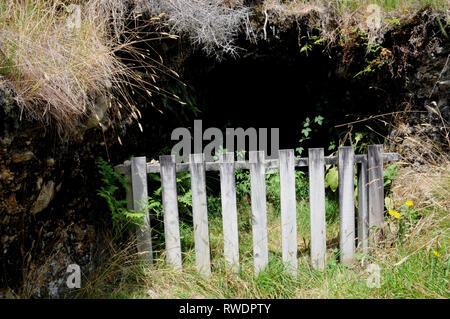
[397,215]
[392,212]
[436,253]
[409,203]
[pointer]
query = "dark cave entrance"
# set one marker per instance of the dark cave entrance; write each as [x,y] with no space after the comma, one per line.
[272,85]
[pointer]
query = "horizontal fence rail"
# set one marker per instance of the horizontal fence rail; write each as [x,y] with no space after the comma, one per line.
[268,164]
[370,212]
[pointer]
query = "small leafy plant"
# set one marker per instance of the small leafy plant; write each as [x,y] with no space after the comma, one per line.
[398,217]
[183,190]
[312,42]
[242,183]
[332,178]
[306,130]
[389,174]
[273,187]
[113,185]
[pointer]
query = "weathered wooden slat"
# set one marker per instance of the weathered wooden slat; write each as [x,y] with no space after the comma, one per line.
[200,213]
[317,207]
[288,210]
[140,203]
[269,164]
[170,206]
[126,171]
[376,187]
[363,208]
[259,214]
[346,205]
[229,211]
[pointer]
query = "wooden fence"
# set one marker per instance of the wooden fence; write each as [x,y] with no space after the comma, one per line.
[370,204]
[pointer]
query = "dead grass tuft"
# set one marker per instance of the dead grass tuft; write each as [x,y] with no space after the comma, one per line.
[61,59]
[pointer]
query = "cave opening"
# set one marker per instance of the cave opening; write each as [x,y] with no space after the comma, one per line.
[271,85]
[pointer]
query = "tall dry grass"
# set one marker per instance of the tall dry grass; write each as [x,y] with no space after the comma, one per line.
[424,178]
[61,58]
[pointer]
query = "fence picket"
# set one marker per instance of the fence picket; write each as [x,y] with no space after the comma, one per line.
[170,206]
[140,203]
[229,211]
[317,207]
[346,205]
[200,213]
[376,188]
[129,189]
[363,207]
[288,210]
[259,210]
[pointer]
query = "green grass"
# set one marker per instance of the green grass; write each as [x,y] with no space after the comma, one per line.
[421,275]
[413,259]
[389,5]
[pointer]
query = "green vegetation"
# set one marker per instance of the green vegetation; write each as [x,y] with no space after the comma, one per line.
[306,131]
[113,185]
[413,258]
[414,265]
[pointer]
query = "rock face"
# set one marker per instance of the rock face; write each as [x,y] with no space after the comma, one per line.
[428,94]
[45,197]
[22,157]
[74,244]
[48,203]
